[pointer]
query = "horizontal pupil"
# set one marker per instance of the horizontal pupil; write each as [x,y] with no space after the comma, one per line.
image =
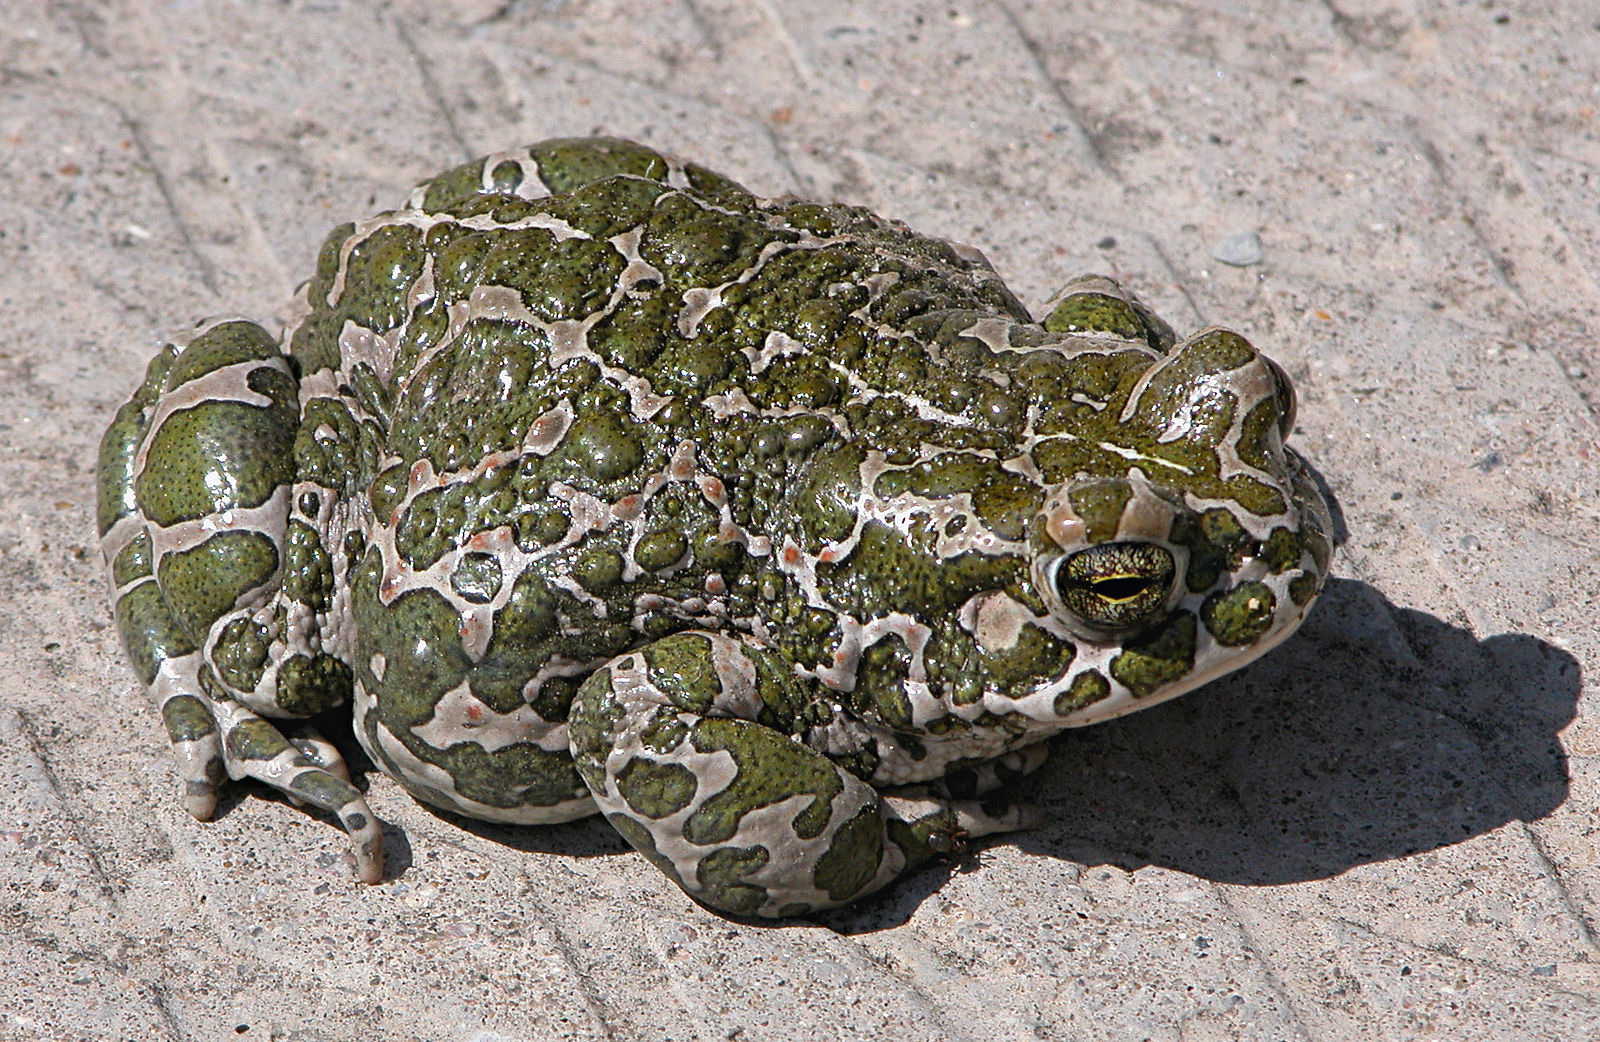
[1120,589]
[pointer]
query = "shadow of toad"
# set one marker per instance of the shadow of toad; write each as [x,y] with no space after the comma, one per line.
[1377,732]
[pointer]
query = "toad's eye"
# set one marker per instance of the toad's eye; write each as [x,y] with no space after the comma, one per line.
[1116,586]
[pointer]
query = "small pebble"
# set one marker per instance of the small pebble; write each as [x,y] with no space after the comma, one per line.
[1241,249]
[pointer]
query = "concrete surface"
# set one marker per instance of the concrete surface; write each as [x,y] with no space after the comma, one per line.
[1383,831]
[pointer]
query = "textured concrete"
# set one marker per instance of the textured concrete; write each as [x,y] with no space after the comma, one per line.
[1383,831]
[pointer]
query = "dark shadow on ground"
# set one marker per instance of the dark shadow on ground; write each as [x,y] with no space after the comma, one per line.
[586,837]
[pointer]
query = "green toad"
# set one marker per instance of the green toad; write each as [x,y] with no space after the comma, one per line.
[775,532]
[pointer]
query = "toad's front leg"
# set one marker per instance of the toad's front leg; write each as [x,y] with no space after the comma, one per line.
[196,477]
[688,746]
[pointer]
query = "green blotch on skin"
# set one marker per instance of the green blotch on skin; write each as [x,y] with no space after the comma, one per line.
[480,396]
[699,364]
[1154,660]
[1260,437]
[334,449]
[212,686]
[534,530]
[1061,459]
[1217,543]
[1221,350]
[525,629]
[149,631]
[240,654]
[718,552]
[608,208]
[1100,505]
[681,668]
[1003,501]
[119,447]
[1085,690]
[431,525]
[1258,498]
[1281,551]
[1304,587]
[635,334]
[321,789]
[656,790]
[217,456]
[388,491]
[852,859]
[506,176]
[664,733]
[378,272]
[458,184]
[818,322]
[881,674]
[660,550]
[769,769]
[204,582]
[1241,615]
[187,718]
[827,501]
[308,577]
[892,705]
[695,247]
[521,775]
[904,569]
[557,280]
[721,874]
[311,684]
[598,570]
[715,185]
[227,343]
[801,382]
[602,447]
[567,164]
[476,578]
[595,717]
[255,740]
[1094,312]
[458,262]
[1035,657]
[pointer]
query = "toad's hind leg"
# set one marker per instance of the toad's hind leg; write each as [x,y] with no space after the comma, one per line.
[195,479]
[686,745]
